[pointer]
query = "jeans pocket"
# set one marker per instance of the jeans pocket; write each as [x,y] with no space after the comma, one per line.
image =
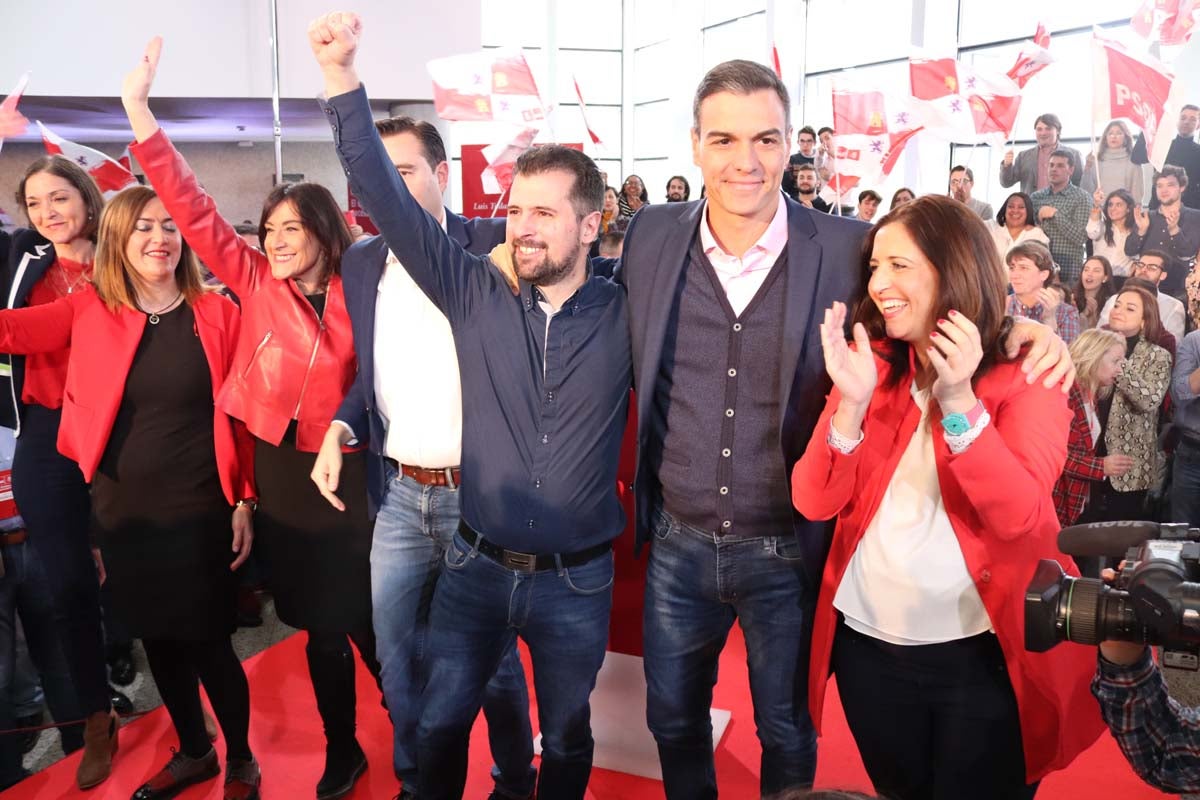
[594,577]
[457,554]
[662,526]
[787,548]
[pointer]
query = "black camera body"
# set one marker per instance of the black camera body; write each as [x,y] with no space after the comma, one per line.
[1154,600]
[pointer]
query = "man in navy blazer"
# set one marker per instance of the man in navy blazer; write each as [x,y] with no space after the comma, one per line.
[726,296]
[405,405]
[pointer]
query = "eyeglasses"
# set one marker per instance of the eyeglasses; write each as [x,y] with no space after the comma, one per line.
[1145,265]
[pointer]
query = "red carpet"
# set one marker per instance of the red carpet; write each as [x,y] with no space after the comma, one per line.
[286,735]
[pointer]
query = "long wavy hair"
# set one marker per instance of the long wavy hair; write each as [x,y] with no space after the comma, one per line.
[1124,195]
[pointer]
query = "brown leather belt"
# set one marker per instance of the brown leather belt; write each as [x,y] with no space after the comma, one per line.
[12,537]
[447,476]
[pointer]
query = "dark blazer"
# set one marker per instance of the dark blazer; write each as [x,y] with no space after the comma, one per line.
[362,269]
[823,265]
[24,258]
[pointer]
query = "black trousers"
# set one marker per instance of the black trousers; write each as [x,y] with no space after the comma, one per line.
[932,722]
[54,501]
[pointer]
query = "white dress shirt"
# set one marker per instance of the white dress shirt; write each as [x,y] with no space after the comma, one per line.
[907,582]
[417,388]
[742,277]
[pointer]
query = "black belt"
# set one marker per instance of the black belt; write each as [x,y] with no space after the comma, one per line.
[529,562]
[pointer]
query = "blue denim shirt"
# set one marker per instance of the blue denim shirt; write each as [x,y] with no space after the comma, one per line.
[1187,409]
[544,407]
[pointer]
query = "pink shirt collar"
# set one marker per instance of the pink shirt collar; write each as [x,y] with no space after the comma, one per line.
[762,255]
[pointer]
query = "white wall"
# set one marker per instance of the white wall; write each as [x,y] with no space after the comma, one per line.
[219,48]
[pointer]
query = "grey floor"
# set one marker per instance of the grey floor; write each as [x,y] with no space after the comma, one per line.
[143,692]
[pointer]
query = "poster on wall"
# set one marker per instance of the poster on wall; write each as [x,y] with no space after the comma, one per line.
[357,215]
[475,201]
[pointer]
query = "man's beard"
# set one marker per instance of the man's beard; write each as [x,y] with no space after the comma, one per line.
[810,191]
[671,198]
[548,271]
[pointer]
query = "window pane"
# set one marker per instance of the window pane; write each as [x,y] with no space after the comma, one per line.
[599,77]
[742,38]
[605,121]
[613,170]
[653,21]
[652,66]
[513,23]
[717,11]
[588,23]
[651,130]
[838,36]
[989,21]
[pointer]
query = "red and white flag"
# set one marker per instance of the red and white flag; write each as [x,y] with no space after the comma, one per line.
[502,158]
[1133,88]
[11,121]
[1169,22]
[1033,58]
[583,113]
[775,62]
[961,102]
[110,175]
[871,134]
[491,85]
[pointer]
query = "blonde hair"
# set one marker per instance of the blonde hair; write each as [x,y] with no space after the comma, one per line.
[1086,352]
[116,280]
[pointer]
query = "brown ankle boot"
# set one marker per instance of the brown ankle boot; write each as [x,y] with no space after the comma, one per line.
[99,747]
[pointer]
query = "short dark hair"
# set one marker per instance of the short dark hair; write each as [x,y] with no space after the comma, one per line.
[809,130]
[319,214]
[587,190]
[740,77]
[611,239]
[63,167]
[1066,153]
[1190,107]
[1049,119]
[806,168]
[961,168]
[1167,259]
[687,187]
[865,193]
[432,146]
[1039,254]
[822,129]
[1173,171]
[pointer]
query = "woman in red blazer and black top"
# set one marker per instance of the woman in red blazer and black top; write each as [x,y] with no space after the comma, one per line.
[51,260]
[149,351]
[940,477]
[293,366]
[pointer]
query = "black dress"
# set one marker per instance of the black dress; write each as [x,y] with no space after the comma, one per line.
[158,512]
[317,559]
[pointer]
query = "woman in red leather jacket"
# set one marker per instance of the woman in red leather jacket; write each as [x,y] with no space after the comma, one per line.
[938,459]
[149,351]
[293,366]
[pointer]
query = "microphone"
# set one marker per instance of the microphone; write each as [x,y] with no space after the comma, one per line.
[1110,538]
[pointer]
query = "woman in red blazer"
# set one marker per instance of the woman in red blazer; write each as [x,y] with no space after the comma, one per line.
[149,352]
[293,366]
[1099,356]
[938,458]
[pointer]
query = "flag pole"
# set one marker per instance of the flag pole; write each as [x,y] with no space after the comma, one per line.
[277,127]
[837,177]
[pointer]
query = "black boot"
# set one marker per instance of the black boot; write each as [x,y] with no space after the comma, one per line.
[331,666]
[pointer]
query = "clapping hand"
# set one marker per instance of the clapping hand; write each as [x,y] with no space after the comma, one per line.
[852,370]
[1050,299]
[1142,219]
[955,352]
[1171,216]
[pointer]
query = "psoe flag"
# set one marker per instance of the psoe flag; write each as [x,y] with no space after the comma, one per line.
[110,176]
[1132,88]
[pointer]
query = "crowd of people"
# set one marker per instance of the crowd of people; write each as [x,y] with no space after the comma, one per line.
[823,401]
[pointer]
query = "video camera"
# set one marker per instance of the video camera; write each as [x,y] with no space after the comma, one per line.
[1155,599]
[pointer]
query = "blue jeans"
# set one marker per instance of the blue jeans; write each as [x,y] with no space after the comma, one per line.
[1185,485]
[697,584]
[479,609]
[412,531]
[25,590]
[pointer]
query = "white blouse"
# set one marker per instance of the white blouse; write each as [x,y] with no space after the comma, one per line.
[1115,253]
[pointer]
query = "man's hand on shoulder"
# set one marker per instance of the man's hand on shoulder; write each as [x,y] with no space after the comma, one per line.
[501,256]
[1048,354]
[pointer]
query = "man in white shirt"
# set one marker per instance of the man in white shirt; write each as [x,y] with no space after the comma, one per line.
[1152,267]
[406,404]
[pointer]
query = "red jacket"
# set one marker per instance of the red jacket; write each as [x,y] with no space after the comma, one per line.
[103,344]
[289,364]
[1083,465]
[997,496]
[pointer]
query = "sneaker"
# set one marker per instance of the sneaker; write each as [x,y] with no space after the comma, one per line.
[242,779]
[180,772]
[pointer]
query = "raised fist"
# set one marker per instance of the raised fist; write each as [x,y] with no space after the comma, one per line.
[334,39]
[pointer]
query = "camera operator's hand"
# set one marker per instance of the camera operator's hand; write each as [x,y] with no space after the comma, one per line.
[1117,464]
[1123,653]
